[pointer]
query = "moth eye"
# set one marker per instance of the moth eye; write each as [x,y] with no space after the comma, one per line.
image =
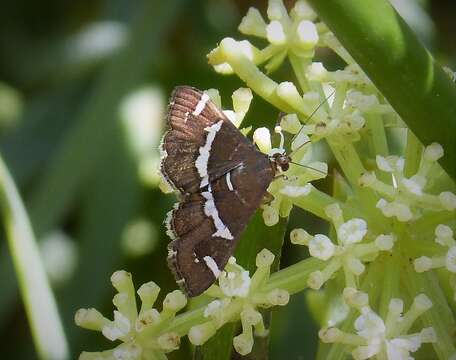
[285,166]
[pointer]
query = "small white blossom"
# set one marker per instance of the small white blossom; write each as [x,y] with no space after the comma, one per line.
[406,198]
[349,254]
[376,337]
[129,324]
[239,296]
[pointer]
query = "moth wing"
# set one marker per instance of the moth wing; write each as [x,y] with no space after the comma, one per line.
[190,112]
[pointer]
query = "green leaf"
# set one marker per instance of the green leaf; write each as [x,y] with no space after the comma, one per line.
[398,64]
[39,301]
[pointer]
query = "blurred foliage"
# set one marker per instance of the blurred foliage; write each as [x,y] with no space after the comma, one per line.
[85,169]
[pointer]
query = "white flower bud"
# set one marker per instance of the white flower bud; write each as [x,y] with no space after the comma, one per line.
[199,334]
[448,200]
[422,264]
[367,179]
[243,343]
[147,318]
[412,186]
[355,298]
[90,319]
[234,281]
[396,306]
[300,237]
[118,328]
[307,34]
[384,242]
[288,92]
[262,138]
[242,98]
[443,231]
[402,211]
[330,335]
[433,152]
[174,301]
[213,308]
[422,302]
[121,280]
[321,247]
[214,94]
[302,10]
[360,101]
[148,293]
[352,231]
[369,325]
[290,123]
[264,258]
[127,351]
[169,341]
[315,280]
[121,300]
[355,121]
[276,10]
[278,297]
[450,260]
[383,164]
[270,215]
[333,211]
[317,72]
[355,266]
[390,163]
[253,23]
[250,316]
[275,33]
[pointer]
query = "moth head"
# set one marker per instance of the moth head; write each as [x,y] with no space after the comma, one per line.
[281,161]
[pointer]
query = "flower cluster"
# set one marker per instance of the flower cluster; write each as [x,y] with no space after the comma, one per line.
[406,198]
[239,297]
[141,333]
[387,338]
[348,254]
[409,189]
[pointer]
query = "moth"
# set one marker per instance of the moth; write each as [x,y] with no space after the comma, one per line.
[221,179]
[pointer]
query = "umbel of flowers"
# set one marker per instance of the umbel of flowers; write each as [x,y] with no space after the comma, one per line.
[387,338]
[391,213]
[140,332]
[239,297]
[149,334]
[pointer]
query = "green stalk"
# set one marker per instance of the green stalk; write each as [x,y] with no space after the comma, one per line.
[401,68]
[412,154]
[46,326]
[439,316]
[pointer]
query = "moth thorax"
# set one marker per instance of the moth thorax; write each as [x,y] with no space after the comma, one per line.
[280,162]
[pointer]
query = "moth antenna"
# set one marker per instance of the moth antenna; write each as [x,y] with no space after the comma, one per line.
[309,167]
[299,147]
[313,113]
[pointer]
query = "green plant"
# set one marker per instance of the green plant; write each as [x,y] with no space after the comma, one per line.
[391,213]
